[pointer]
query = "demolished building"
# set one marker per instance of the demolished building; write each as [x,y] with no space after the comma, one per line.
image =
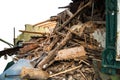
[65,46]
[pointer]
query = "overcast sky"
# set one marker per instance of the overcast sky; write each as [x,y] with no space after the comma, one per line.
[17,13]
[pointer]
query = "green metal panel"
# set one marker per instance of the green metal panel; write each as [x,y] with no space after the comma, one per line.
[109,63]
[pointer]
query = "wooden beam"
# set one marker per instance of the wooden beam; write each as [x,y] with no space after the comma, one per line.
[28,48]
[69,13]
[76,14]
[41,22]
[48,24]
[52,53]
[34,32]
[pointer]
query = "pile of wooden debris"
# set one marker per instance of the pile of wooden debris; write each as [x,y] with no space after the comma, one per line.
[67,52]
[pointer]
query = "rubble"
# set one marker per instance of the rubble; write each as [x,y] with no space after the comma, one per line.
[67,52]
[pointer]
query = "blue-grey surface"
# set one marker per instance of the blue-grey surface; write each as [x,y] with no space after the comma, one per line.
[15,70]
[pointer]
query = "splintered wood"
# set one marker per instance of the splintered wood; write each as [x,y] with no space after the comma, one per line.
[27,48]
[71,41]
[70,53]
[28,73]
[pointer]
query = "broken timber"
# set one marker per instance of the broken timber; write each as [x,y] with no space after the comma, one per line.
[52,53]
[34,32]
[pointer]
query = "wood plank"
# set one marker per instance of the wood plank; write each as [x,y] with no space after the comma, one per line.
[34,32]
[27,48]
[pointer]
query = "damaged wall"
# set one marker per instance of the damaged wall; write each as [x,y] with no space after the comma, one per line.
[45,27]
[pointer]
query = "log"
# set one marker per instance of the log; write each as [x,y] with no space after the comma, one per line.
[33,73]
[70,53]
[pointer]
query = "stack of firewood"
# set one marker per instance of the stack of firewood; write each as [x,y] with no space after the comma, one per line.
[66,53]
